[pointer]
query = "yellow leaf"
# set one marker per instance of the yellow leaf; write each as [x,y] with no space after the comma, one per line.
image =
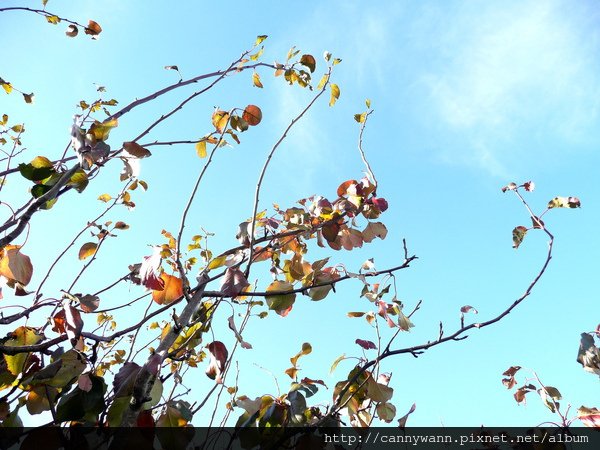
[201,148]
[220,119]
[173,289]
[87,250]
[256,80]
[217,262]
[105,198]
[260,39]
[335,94]
[101,130]
[53,19]
[18,128]
[323,81]
[14,265]
[7,87]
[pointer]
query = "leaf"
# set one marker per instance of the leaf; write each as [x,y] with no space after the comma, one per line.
[467,309]
[367,345]
[22,336]
[7,87]
[252,115]
[220,119]
[238,336]
[386,412]
[28,98]
[136,150]
[72,31]
[373,230]
[172,290]
[564,202]
[149,271]
[518,235]
[378,392]
[218,358]
[402,420]
[589,355]
[234,282]
[336,362]
[256,80]
[121,226]
[14,265]
[38,169]
[510,187]
[368,103]
[259,39]
[360,118]
[590,417]
[335,94]
[101,130]
[306,349]
[201,148]
[93,29]
[309,61]
[87,250]
[355,314]
[511,371]
[89,303]
[73,323]
[53,19]
[280,303]
[529,186]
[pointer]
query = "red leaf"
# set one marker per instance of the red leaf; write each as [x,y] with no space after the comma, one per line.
[367,345]
[380,203]
[233,282]
[149,274]
[73,323]
[218,359]
[252,114]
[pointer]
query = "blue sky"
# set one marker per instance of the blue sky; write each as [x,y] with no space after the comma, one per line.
[468,96]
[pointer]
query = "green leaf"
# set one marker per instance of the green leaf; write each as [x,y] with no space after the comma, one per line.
[368,103]
[280,303]
[518,235]
[79,181]
[378,392]
[79,404]
[38,169]
[335,94]
[386,412]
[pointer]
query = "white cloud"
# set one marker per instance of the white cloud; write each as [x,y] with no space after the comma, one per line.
[511,70]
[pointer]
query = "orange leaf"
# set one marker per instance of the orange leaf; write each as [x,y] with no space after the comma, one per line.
[252,115]
[93,28]
[87,250]
[173,289]
[14,265]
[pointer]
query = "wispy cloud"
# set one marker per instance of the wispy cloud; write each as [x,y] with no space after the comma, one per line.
[508,72]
